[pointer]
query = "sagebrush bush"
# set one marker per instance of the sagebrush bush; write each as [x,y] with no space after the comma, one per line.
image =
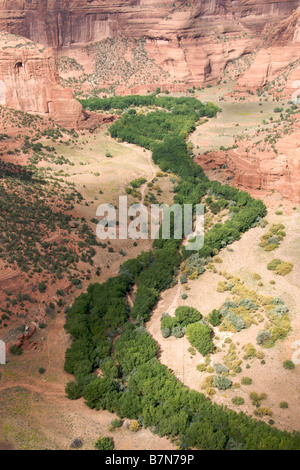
[263,411]
[219,368]
[221,382]
[273,264]
[284,268]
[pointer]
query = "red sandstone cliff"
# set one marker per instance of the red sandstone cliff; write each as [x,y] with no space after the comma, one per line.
[181,37]
[29,81]
[281,48]
[267,171]
[65,22]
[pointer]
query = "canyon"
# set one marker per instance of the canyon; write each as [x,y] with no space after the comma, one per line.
[59,160]
[53,50]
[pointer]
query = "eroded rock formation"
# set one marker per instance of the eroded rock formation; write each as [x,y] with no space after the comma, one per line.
[29,81]
[267,171]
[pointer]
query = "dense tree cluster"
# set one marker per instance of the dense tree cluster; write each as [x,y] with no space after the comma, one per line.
[176,326]
[199,335]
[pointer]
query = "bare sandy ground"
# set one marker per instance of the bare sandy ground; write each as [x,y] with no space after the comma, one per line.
[271,378]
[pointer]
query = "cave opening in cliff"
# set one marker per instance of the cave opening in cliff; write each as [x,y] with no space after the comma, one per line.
[18,66]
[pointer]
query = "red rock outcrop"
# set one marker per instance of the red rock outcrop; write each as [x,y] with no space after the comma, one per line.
[23,341]
[29,81]
[266,171]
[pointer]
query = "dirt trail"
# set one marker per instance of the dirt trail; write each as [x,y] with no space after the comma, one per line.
[40,389]
[174,303]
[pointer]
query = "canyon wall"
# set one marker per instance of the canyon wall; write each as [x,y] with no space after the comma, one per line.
[29,81]
[61,23]
[192,41]
[281,48]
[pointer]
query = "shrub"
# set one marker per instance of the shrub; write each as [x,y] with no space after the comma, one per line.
[238,401]
[219,368]
[288,365]
[221,382]
[248,304]
[15,350]
[273,264]
[192,351]
[42,370]
[237,321]
[116,423]
[256,277]
[246,381]
[134,426]
[165,332]
[42,287]
[271,247]
[250,351]
[279,310]
[263,336]
[284,268]
[104,443]
[137,183]
[178,332]
[283,404]
[76,443]
[256,398]
[263,411]
[215,317]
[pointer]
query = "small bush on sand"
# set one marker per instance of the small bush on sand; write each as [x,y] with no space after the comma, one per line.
[246,381]
[283,405]
[134,426]
[288,365]
[221,382]
[284,268]
[263,411]
[104,443]
[238,401]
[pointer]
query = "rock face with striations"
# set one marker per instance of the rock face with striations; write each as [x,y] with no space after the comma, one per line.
[186,39]
[29,81]
[281,48]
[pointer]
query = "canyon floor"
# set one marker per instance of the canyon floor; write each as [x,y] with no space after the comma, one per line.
[34,412]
